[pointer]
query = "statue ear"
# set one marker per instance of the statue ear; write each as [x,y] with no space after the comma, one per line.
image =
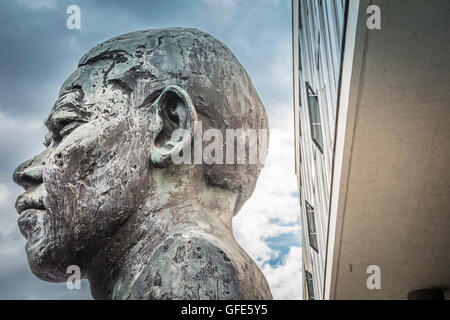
[174,128]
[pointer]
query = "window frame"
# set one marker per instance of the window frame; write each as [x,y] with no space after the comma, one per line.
[311,94]
[310,285]
[308,206]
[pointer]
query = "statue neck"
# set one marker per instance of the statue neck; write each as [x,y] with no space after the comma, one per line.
[113,271]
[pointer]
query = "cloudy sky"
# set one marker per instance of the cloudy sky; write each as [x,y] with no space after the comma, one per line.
[39,52]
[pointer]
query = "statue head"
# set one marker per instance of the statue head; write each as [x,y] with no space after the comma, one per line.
[131,106]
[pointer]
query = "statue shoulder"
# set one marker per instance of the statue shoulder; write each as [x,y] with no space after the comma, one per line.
[187,266]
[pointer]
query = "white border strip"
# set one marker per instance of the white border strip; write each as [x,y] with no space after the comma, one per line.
[348,103]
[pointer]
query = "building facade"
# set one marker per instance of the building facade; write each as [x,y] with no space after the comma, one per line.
[372,147]
[318,32]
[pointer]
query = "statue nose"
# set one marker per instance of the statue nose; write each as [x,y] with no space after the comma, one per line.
[29,173]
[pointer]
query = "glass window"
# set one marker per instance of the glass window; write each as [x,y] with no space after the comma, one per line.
[312,231]
[317,51]
[310,285]
[299,53]
[300,25]
[314,117]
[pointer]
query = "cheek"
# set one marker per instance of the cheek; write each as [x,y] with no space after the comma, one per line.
[95,184]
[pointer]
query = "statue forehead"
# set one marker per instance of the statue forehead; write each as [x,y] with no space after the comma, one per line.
[154,55]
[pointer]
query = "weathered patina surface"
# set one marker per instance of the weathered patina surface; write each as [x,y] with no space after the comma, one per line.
[105,195]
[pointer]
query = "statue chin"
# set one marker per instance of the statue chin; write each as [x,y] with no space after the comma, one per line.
[41,251]
[40,265]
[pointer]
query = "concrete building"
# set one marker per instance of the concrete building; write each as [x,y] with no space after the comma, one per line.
[372,138]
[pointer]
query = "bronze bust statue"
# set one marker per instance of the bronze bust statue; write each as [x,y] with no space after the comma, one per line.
[105,194]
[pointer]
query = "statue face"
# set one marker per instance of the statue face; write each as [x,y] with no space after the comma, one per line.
[92,176]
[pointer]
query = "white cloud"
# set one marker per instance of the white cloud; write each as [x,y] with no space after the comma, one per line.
[9,125]
[224,10]
[8,216]
[5,195]
[285,280]
[18,133]
[273,210]
[11,242]
[40,4]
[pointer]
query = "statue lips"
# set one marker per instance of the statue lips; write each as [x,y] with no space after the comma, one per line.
[32,214]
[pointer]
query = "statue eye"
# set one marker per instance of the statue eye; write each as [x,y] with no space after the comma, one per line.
[64,120]
[67,126]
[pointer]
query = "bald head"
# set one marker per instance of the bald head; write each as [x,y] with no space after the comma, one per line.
[143,63]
